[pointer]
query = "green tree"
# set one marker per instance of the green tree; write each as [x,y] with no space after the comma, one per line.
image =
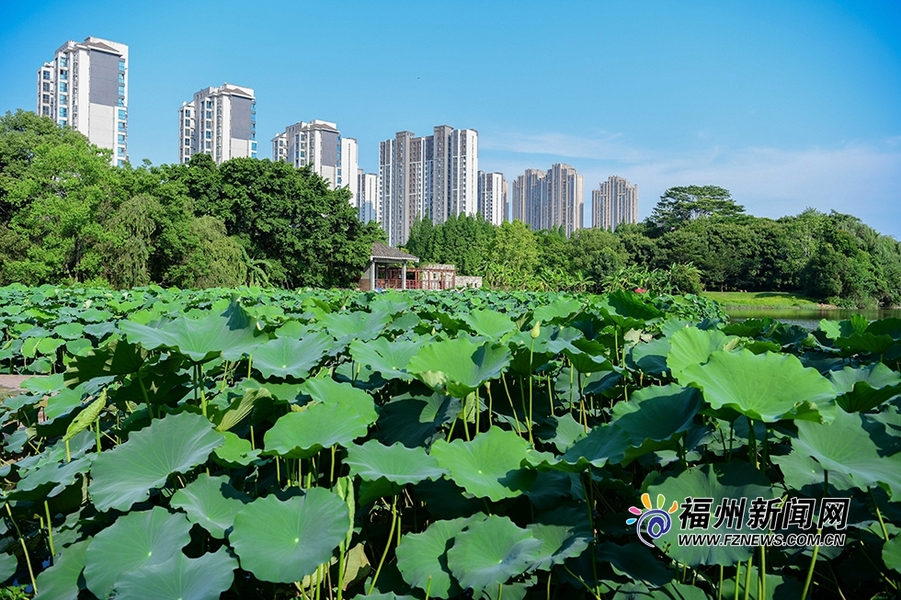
[680,205]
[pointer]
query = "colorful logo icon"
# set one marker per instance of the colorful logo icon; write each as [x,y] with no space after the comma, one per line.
[653,522]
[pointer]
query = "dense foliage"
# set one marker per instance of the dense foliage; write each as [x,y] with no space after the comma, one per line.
[67,216]
[243,443]
[696,236]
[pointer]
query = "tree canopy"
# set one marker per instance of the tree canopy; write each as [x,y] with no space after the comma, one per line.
[680,205]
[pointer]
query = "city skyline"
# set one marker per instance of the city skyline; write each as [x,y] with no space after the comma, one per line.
[785,116]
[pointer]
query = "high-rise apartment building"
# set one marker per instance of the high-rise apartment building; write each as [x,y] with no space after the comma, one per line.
[613,203]
[319,144]
[430,177]
[493,197]
[369,207]
[221,122]
[85,87]
[548,199]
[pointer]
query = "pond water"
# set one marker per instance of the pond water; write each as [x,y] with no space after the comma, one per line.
[810,318]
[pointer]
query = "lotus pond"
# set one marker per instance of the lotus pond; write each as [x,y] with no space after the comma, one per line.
[329,444]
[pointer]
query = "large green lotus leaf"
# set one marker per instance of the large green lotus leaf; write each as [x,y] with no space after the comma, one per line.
[329,391]
[373,461]
[562,431]
[846,328]
[389,358]
[64,402]
[303,434]
[891,327]
[173,444]
[116,358]
[135,540]
[671,591]
[491,324]
[766,387]
[622,305]
[198,339]
[590,357]
[458,366]
[718,481]
[891,553]
[844,446]
[489,465]
[558,309]
[61,581]
[44,385]
[347,326]
[563,532]
[636,561]
[866,342]
[604,443]
[414,420]
[285,357]
[180,578]
[489,552]
[50,479]
[865,388]
[651,357]
[657,412]
[692,346]
[284,541]
[236,451]
[8,564]
[210,502]
[422,558]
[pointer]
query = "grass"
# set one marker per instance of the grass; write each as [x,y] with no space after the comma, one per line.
[761,299]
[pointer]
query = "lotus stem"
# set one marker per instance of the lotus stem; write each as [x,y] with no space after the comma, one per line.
[531,376]
[34,583]
[341,567]
[719,589]
[49,530]
[748,577]
[68,453]
[331,475]
[878,513]
[378,570]
[428,588]
[500,590]
[813,562]
[490,402]
[146,397]
[737,579]
[97,426]
[761,589]
[752,442]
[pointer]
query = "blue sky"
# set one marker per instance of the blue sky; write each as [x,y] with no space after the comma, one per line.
[788,104]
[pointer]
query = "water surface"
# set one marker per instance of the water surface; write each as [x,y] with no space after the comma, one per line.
[810,317]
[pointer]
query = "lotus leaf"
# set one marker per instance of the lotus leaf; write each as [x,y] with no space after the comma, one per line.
[173,444]
[636,561]
[718,481]
[488,323]
[846,447]
[286,357]
[489,465]
[210,502]
[651,357]
[329,391]
[389,358]
[865,388]
[891,553]
[235,451]
[180,577]
[458,366]
[63,581]
[766,387]
[320,425]
[657,412]
[564,533]
[135,540]
[399,465]
[284,541]
[692,346]
[422,557]
[414,420]
[603,444]
[489,552]
[198,339]
[8,564]
[361,325]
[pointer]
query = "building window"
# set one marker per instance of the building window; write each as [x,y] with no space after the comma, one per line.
[63,99]
[121,126]
[121,65]
[121,102]
[121,77]
[209,104]
[121,90]
[121,139]
[64,75]
[46,111]
[63,111]
[63,61]
[208,145]
[46,74]
[122,113]
[209,135]
[187,142]
[62,123]
[46,87]
[64,87]
[120,163]
[187,122]
[46,98]
[121,151]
